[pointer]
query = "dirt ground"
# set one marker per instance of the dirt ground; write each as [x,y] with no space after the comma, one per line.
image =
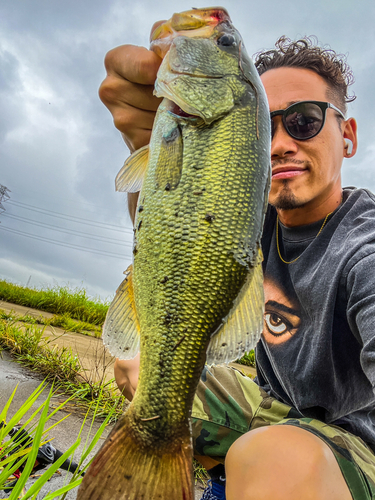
[97,363]
[95,358]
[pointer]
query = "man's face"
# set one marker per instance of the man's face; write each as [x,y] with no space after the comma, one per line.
[304,173]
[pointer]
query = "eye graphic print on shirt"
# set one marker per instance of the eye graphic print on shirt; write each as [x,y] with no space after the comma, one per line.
[283,312]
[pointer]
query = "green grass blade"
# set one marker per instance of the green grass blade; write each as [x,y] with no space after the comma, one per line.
[95,439]
[36,487]
[64,489]
[57,423]
[24,408]
[34,451]
[9,470]
[3,414]
[14,456]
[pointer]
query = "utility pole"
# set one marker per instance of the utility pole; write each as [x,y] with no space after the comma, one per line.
[4,196]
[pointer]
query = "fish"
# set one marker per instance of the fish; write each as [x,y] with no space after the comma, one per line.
[194,291]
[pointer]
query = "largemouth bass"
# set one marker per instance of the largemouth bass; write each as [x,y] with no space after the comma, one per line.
[194,291]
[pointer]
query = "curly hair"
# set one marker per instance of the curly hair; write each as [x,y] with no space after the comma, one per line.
[306,53]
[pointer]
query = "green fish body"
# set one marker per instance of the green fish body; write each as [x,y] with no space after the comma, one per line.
[195,289]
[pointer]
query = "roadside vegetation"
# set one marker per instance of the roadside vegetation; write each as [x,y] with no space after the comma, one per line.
[62,368]
[67,305]
[77,393]
[73,311]
[248,359]
[59,320]
[19,445]
[57,300]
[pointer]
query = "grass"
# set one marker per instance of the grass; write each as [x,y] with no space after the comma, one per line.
[20,450]
[59,320]
[74,311]
[61,367]
[67,304]
[57,300]
[248,359]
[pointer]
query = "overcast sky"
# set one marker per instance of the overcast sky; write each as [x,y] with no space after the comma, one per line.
[59,151]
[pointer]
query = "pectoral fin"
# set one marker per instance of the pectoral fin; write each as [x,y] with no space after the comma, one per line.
[242,327]
[169,167]
[130,177]
[121,326]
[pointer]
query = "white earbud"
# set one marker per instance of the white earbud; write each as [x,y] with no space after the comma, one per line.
[348,146]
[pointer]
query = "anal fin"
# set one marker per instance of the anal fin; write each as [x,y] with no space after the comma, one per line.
[242,327]
[121,327]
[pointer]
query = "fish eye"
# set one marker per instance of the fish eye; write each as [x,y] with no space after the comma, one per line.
[226,40]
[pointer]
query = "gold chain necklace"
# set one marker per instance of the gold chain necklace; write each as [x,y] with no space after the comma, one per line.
[277,237]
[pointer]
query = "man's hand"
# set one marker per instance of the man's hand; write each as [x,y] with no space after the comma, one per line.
[127,91]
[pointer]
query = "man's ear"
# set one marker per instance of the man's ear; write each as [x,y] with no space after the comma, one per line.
[350,138]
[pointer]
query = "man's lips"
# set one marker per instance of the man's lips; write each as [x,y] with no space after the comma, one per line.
[287,171]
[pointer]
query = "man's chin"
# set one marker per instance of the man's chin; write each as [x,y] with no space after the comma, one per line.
[286,199]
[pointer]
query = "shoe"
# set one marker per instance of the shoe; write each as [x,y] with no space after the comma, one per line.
[214,491]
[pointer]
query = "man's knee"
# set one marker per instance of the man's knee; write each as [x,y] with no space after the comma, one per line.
[283,462]
[126,374]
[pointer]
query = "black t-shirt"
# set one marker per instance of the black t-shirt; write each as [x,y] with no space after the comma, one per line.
[317,351]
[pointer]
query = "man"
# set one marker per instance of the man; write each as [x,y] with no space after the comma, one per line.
[310,416]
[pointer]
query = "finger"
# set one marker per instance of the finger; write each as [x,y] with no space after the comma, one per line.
[137,138]
[115,91]
[129,119]
[135,64]
[156,25]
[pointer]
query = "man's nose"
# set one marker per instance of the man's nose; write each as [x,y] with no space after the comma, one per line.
[282,143]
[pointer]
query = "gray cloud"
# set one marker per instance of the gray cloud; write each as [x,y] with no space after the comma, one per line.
[59,149]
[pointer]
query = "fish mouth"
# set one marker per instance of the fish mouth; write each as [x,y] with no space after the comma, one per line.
[176,110]
[192,23]
[176,106]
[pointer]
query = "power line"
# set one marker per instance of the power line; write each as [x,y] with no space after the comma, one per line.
[71,217]
[59,243]
[78,201]
[69,231]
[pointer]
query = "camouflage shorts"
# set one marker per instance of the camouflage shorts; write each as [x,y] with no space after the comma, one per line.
[228,404]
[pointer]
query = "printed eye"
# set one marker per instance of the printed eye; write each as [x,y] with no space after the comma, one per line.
[275,324]
[226,40]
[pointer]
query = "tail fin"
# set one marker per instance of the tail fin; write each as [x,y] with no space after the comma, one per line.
[123,470]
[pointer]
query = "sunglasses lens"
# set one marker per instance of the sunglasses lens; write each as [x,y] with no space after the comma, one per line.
[303,120]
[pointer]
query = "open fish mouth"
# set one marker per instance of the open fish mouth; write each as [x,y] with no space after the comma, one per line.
[176,110]
[195,22]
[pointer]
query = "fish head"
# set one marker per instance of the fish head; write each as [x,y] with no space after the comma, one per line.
[195,22]
[203,71]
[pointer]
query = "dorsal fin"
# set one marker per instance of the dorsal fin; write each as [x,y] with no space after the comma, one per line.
[131,175]
[121,327]
[242,327]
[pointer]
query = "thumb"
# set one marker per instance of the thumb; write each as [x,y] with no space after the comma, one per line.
[156,25]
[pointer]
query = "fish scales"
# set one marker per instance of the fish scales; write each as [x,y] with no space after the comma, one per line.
[204,256]
[196,253]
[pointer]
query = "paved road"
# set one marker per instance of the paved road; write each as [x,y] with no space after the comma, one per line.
[95,359]
[65,434]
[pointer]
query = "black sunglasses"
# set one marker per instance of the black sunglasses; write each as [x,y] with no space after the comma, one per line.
[304,120]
